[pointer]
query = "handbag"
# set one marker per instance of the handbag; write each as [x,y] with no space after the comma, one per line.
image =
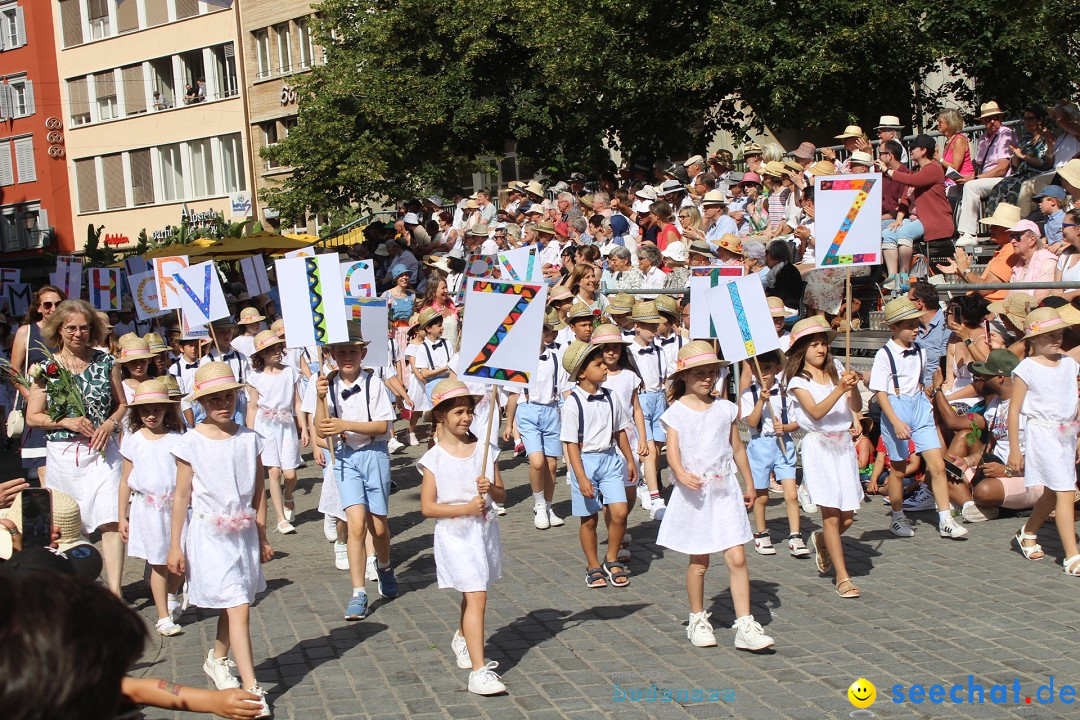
[16,419]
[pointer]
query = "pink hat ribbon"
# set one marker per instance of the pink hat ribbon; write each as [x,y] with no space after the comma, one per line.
[682,363]
[1047,324]
[450,395]
[162,396]
[606,339]
[199,387]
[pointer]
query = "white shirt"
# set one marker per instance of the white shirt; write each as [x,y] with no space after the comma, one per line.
[837,419]
[551,254]
[671,345]
[358,407]
[549,381]
[652,364]
[594,423]
[489,247]
[238,361]
[654,279]
[908,369]
[777,404]
[244,344]
[184,372]
[997,422]
[431,355]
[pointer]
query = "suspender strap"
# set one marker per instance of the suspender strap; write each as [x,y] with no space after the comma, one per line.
[581,415]
[892,367]
[431,360]
[333,395]
[783,406]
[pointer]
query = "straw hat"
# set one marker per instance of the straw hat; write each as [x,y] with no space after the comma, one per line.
[152,392]
[266,339]
[1069,314]
[65,515]
[849,132]
[1070,172]
[559,293]
[428,316]
[1005,215]
[990,109]
[536,208]
[132,348]
[777,308]
[731,243]
[278,326]
[250,316]
[171,385]
[620,304]
[751,149]
[545,227]
[356,337]
[714,197]
[822,167]
[574,357]
[534,188]
[580,311]
[552,319]
[861,158]
[774,168]
[645,312]
[1016,307]
[478,230]
[700,247]
[697,353]
[899,309]
[889,122]
[213,377]
[667,305]
[608,334]
[448,390]
[1043,320]
[811,326]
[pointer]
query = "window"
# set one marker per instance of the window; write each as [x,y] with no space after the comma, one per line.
[225,70]
[24,159]
[79,98]
[157,12]
[115,187]
[12,27]
[287,125]
[232,161]
[262,53]
[191,66]
[105,92]
[270,138]
[307,48]
[98,12]
[22,97]
[202,168]
[172,173]
[142,178]
[127,16]
[86,180]
[14,234]
[134,90]
[284,47]
[161,76]
[71,22]
[7,170]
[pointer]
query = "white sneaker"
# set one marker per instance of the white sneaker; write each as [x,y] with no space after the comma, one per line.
[220,671]
[485,682]
[412,440]
[643,496]
[500,509]
[657,510]
[264,709]
[797,547]
[329,528]
[394,445]
[699,631]
[370,573]
[901,527]
[923,499]
[461,650]
[541,521]
[974,513]
[763,544]
[804,500]
[949,528]
[553,519]
[167,627]
[341,556]
[967,240]
[749,635]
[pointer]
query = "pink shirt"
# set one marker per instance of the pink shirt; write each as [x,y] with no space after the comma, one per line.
[1040,268]
[967,168]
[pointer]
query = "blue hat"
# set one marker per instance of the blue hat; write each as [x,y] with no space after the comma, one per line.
[398,270]
[1052,191]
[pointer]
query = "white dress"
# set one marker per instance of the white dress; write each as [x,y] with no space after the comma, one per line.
[152,482]
[712,519]
[623,387]
[222,544]
[275,419]
[830,465]
[415,389]
[1050,434]
[468,552]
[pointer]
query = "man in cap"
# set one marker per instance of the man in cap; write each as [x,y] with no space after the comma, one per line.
[993,161]
[752,158]
[694,165]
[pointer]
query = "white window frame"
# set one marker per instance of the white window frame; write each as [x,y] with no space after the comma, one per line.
[22,103]
[307,45]
[180,192]
[12,27]
[208,174]
[263,60]
[235,143]
[283,43]
[100,28]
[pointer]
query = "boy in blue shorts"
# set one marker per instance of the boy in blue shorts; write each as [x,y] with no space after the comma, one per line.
[354,413]
[770,416]
[906,414]
[652,366]
[592,427]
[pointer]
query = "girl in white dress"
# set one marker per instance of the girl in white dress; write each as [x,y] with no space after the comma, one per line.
[414,384]
[133,357]
[274,406]
[707,513]
[830,465]
[146,486]
[1044,393]
[461,481]
[220,477]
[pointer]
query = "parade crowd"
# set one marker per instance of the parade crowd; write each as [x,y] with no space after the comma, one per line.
[183,451]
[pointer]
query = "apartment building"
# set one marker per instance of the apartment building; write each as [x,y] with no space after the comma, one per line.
[35,205]
[156,123]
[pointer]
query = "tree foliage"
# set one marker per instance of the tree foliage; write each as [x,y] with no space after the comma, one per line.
[414,92]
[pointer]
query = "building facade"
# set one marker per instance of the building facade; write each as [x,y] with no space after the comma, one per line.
[156,122]
[35,203]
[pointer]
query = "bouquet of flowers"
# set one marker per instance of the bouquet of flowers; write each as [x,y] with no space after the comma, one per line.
[65,396]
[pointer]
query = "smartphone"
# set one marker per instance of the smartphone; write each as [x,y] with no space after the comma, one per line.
[36,517]
[986,331]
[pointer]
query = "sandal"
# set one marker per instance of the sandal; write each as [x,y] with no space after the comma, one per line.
[1031,552]
[821,553]
[846,589]
[594,578]
[618,575]
[1071,566]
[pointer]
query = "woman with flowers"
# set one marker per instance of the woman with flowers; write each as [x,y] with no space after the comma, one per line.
[78,400]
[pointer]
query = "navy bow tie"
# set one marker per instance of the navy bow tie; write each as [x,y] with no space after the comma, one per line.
[349,392]
[599,397]
[191,366]
[229,356]
[438,343]
[544,356]
[629,333]
[646,351]
[552,346]
[913,350]
[668,341]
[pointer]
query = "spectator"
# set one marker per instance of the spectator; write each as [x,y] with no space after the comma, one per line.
[717,222]
[602,204]
[1068,265]
[622,274]
[675,259]
[649,262]
[568,206]
[665,225]
[585,284]
[992,164]
[804,154]
[418,236]
[200,90]
[957,155]
[1034,156]
[999,269]
[1067,143]
[752,158]
[933,336]
[783,279]
[888,130]
[754,260]
[448,239]
[854,139]
[484,205]
[159,102]
[1035,263]
[693,226]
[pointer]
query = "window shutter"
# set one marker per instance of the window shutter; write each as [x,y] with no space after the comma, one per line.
[186,8]
[71,21]
[142,178]
[157,12]
[127,16]
[24,159]
[20,26]
[43,226]
[86,177]
[7,175]
[7,101]
[113,168]
[28,93]
[134,90]
[105,84]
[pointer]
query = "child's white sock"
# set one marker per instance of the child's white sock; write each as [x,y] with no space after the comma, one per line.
[383,566]
[944,515]
[897,514]
[538,499]
[358,591]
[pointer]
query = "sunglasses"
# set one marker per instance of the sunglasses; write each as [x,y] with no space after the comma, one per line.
[48,305]
[1065,225]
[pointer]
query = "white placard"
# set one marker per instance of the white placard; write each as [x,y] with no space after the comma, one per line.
[521,264]
[190,330]
[847,220]
[18,297]
[68,276]
[201,296]
[374,317]
[104,285]
[701,279]
[164,268]
[240,205]
[254,269]
[8,276]
[312,302]
[740,312]
[500,338]
[144,291]
[358,279]
[304,252]
[136,264]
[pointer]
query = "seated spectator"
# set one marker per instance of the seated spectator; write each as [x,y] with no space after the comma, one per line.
[783,279]
[620,273]
[1000,267]
[957,155]
[675,260]
[992,164]
[899,230]
[200,90]
[754,260]
[1035,155]
[930,213]
[1066,143]
[1068,265]
[1052,204]
[1034,262]
[650,262]
[190,94]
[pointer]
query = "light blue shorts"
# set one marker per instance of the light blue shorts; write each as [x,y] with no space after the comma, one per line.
[915,410]
[539,428]
[653,405]
[429,386]
[765,457]
[607,471]
[363,476]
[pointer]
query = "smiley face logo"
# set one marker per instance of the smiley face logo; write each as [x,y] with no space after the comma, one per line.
[862,693]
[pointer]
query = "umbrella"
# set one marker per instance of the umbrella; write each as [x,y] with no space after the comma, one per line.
[260,242]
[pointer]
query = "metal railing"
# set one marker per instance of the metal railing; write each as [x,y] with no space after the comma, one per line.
[973,132]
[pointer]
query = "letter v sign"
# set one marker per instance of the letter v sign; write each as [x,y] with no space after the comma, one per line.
[201,302]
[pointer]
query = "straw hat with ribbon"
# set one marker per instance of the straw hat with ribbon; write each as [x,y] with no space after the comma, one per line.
[580,311]
[132,348]
[810,326]
[1043,320]
[645,312]
[620,304]
[152,392]
[449,389]
[731,243]
[552,320]
[608,334]
[428,316]
[250,316]
[900,309]
[213,377]
[990,109]
[278,326]
[574,357]
[560,293]
[667,305]
[696,353]
[822,167]
[777,308]
[171,386]
[266,339]
[1015,307]
[156,343]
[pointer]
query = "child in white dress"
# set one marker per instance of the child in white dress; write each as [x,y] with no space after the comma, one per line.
[460,482]
[220,477]
[274,406]
[414,384]
[146,487]
[830,465]
[1044,393]
[708,512]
